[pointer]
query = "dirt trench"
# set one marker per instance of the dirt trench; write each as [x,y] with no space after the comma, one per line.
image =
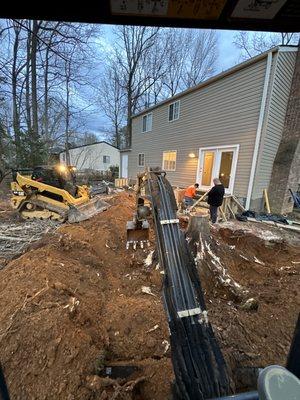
[75,303]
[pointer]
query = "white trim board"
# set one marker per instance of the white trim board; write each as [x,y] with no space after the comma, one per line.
[259,130]
[287,49]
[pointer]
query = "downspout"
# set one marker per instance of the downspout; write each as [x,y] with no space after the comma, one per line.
[259,130]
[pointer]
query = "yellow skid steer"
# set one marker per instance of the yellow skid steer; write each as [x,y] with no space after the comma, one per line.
[51,193]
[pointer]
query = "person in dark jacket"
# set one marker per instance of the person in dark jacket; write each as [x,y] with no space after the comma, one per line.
[215,199]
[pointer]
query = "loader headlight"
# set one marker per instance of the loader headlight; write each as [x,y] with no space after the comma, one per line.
[61,168]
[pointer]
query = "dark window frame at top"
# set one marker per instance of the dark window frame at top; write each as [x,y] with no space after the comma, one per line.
[174,112]
[141,158]
[146,125]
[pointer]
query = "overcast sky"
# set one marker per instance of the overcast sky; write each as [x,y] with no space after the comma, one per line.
[229,56]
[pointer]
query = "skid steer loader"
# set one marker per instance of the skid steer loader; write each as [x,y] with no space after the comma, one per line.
[50,192]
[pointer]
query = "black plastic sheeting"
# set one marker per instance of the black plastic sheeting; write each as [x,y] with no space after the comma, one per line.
[3,388]
[199,366]
[261,217]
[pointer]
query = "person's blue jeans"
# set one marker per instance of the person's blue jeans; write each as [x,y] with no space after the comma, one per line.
[213,213]
[188,201]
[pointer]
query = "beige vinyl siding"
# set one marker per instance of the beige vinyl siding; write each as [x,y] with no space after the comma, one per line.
[275,116]
[224,112]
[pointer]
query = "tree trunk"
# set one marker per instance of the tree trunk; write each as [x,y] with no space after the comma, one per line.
[67,144]
[35,126]
[46,105]
[16,115]
[129,120]
[27,80]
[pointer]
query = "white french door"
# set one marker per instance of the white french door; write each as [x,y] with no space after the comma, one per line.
[217,162]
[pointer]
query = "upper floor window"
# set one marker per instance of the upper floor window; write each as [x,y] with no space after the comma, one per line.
[174,109]
[169,160]
[147,123]
[106,159]
[141,160]
[63,156]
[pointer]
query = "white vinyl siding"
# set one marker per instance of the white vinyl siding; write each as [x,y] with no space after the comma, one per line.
[147,123]
[174,109]
[141,160]
[169,160]
[97,156]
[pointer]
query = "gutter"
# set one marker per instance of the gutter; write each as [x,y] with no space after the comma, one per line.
[259,130]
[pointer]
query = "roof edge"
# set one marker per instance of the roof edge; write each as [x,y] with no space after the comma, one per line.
[217,77]
[90,144]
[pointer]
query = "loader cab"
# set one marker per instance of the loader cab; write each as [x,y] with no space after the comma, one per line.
[59,176]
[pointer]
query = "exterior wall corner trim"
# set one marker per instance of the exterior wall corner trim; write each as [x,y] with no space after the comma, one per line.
[259,129]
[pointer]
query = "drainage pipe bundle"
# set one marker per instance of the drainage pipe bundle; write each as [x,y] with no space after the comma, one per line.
[199,366]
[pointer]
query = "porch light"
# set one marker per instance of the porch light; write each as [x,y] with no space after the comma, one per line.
[192,155]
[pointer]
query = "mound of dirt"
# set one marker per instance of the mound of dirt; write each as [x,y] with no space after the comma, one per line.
[254,320]
[75,305]
[78,303]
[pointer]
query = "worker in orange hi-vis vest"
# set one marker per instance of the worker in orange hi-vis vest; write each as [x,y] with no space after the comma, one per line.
[190,194]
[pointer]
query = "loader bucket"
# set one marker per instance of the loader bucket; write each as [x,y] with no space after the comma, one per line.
[137,235]
[87,210]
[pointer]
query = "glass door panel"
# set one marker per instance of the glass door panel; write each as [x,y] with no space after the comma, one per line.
[208,164]
[225,167]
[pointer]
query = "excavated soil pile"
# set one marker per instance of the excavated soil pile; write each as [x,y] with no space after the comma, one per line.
[253,295]
[77,304]
[80,302]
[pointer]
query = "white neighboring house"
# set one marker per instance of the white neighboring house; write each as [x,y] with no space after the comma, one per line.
[98,156]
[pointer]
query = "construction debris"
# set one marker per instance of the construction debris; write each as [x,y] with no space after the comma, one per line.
[16,236]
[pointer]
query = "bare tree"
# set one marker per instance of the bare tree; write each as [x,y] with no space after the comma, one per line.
[41,59]
[252,44]
[175,52]
[15,71]
[133,45]
[201,56]
[112,99]
[147,65]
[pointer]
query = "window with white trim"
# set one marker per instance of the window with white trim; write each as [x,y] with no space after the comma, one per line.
[141,160]
[147,123]
[174,109]
[169,160]
[106,159]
